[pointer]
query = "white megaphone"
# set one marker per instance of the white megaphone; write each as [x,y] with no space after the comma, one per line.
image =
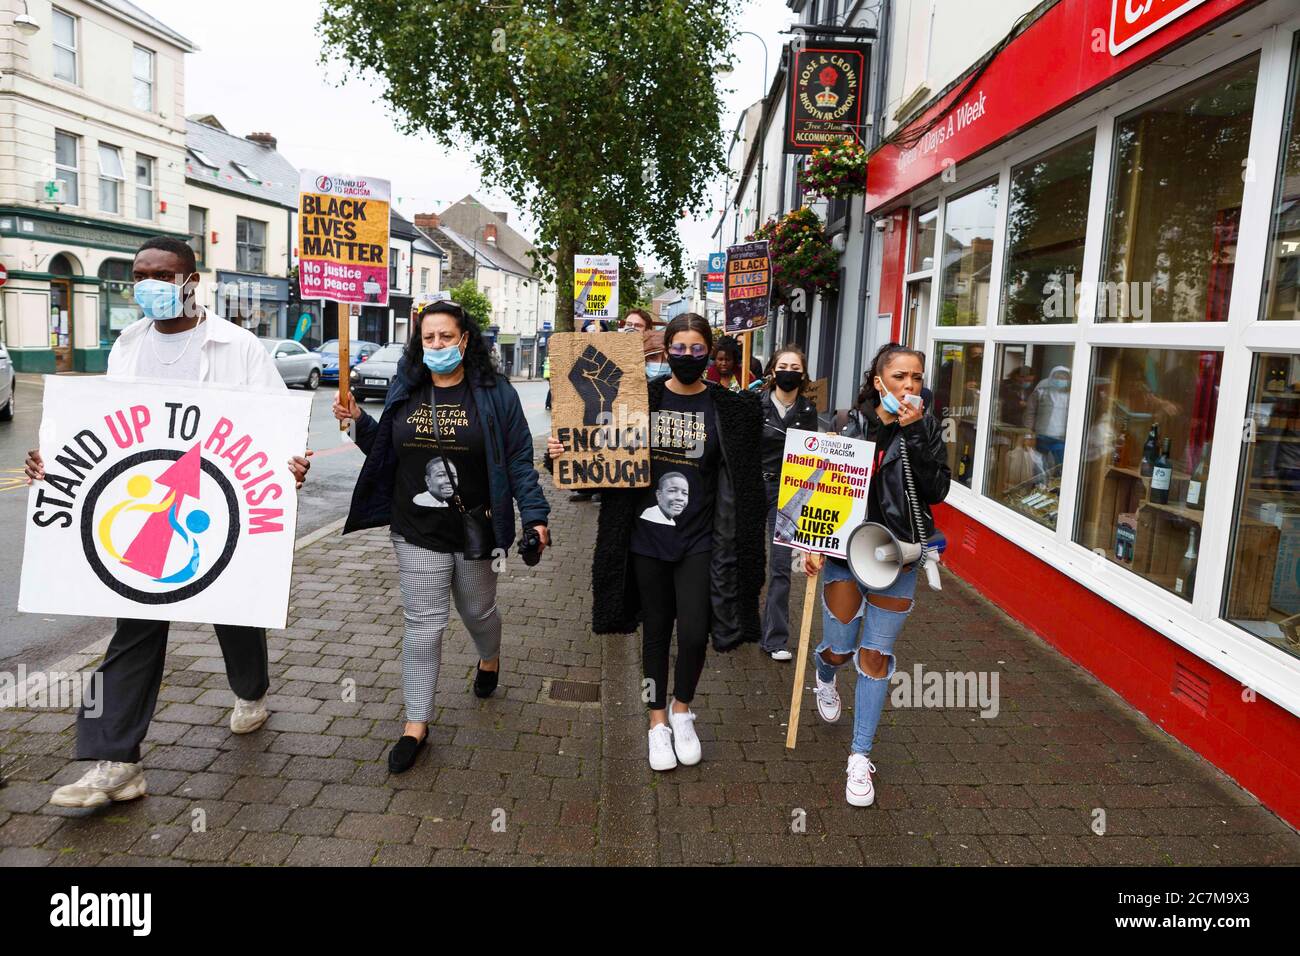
[876,557]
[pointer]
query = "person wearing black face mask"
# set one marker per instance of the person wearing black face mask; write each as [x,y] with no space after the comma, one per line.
[784,406]
[702,572]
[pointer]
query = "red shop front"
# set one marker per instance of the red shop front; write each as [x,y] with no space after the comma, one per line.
[1095,237]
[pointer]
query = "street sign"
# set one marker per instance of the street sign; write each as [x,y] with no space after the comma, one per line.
[717,266]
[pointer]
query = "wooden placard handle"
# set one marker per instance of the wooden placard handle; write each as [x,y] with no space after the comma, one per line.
[801,658]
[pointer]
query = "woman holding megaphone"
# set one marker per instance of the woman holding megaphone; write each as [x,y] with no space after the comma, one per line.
[861,624]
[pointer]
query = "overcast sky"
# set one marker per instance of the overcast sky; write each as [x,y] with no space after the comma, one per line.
[257,70]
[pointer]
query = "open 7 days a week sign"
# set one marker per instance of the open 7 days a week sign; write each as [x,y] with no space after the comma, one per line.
[164,501]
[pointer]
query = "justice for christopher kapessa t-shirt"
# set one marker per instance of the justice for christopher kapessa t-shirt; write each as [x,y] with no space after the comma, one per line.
[675,514]
[423,510]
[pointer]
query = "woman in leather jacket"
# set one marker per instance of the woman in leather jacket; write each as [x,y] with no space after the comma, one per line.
[904,435]
[686,553]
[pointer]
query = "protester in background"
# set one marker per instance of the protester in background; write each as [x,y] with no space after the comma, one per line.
[656,359]
[725,370]
[703,571]
[784,406]
[178,340]
[638,320]
[857,623]
[445,402]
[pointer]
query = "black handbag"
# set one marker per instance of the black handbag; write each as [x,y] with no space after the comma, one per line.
[480,540]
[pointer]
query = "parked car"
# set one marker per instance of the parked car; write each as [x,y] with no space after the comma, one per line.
[371,379]
[8,381]
[297,366]
[358,352]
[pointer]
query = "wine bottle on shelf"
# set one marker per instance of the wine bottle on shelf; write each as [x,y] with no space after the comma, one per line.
[964,465]
[1161,474]
[1196,484]
[1150,450]
[1185,581]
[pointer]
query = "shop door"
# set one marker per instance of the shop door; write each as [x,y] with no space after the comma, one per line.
[61,324]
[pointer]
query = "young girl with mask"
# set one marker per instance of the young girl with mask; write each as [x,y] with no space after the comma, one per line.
[687,551]
[785,406]
[859,624]
[445,403]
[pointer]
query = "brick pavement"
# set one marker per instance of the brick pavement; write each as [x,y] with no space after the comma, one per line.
[523,779]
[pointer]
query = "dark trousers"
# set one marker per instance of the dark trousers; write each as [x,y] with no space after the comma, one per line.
[673,592]
[132,673]
[776,609]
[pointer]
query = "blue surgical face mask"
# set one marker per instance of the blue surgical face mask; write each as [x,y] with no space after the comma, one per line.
[158,299]
[443,361]
[656,369]
[889,403]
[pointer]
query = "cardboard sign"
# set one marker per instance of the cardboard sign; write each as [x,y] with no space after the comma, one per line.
[595,287]
[600,409]
[823,493]
[748,286]
[165,501]
[343,238]
[819,394]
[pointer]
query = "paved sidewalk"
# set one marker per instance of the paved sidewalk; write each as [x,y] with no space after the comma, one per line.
[524,779]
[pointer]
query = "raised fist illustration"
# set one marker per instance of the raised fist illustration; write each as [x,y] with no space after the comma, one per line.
[596,378]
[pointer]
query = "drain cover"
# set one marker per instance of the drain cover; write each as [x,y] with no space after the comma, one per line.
[576,691]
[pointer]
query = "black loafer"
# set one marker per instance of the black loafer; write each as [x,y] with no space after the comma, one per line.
[404,752]
[485,682]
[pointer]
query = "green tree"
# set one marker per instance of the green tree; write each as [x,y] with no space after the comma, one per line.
[600,118]
[476,305]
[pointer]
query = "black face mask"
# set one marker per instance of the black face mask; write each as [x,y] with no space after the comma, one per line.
[687,369]
[787,380]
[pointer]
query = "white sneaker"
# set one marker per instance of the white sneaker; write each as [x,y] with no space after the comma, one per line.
[828,700]
[661,748]
[685,742]
[859,790]
[248,715]
[782,655]
[106,782]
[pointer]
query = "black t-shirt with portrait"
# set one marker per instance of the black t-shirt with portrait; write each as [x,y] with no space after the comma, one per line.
[675,514]
[423,512]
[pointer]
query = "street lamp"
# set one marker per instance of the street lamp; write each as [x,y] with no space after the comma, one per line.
[24,22]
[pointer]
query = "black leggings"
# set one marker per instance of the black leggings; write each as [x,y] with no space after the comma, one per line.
[673,591]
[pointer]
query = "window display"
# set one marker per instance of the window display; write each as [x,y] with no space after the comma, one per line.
[1281,298]
[1175,201]
[1026,446]
[968,227]
[924,221]
[956,376]
[1047,225]
[1263,592]
[1146,455]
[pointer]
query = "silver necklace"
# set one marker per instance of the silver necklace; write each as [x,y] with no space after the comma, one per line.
[153,344]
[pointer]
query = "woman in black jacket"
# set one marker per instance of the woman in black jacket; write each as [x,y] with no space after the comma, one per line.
[688,550]
[904,435]
[784,406]
[445,464]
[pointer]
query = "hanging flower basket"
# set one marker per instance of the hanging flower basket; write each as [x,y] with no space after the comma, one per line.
[802,255]
[836,171]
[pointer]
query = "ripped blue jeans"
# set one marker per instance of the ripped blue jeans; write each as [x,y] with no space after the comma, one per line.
[881,631]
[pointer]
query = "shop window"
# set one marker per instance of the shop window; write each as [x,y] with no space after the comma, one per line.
[917,315]
[1147,453]
[1175,202]
[968,222]
[1263,593]
[1026,445]
[956,377]
[119,309]
[921,251]
[1047,224]
[1282,283]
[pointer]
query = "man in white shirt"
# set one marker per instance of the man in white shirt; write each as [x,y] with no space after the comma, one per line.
[177,339]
